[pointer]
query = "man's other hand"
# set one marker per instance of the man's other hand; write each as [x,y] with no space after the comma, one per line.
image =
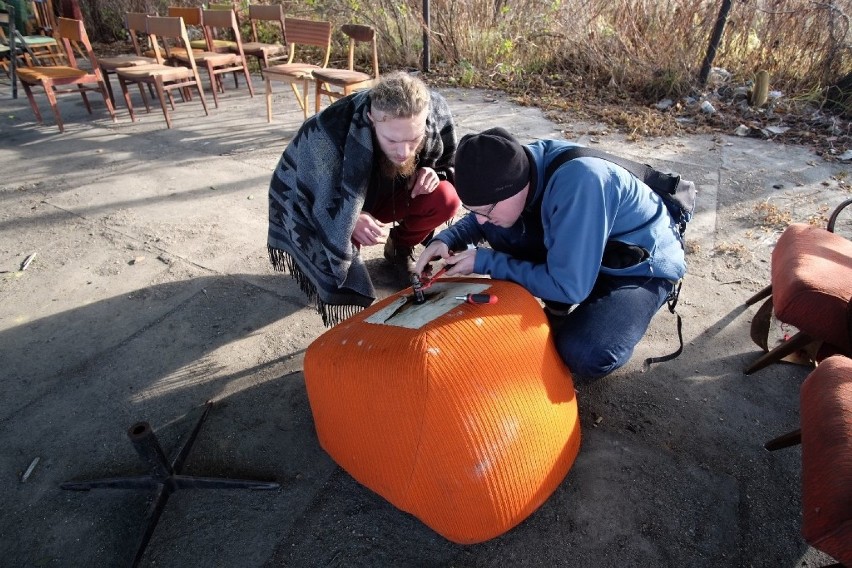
[425,181]
[368,230]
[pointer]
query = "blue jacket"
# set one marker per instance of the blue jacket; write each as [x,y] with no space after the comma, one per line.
[556,247]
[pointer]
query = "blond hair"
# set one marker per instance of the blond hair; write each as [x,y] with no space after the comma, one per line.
[399,95]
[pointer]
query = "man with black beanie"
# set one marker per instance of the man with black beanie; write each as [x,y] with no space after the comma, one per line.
[595,243]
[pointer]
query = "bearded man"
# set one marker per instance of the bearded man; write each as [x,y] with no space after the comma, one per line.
[370,159]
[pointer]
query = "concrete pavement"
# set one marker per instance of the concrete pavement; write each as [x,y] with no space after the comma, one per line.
[151,294]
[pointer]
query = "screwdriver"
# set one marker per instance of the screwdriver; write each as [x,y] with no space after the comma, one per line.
[478,298]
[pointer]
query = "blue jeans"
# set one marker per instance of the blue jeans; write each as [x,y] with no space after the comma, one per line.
[599,335]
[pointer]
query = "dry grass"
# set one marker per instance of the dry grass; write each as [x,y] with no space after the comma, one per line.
[769,216]
[653,46]
[609,59]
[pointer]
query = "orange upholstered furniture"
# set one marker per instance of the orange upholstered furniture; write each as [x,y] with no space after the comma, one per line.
[826,432]
[811,289]
[460,414]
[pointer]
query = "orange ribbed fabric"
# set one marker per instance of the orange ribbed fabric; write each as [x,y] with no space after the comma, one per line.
[467,420]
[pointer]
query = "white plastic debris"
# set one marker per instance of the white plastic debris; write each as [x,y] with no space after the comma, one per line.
[664,104]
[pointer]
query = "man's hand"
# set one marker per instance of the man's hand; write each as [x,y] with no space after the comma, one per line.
[425,181]
[368,230]
[458,264]
[435,250]
[461,263]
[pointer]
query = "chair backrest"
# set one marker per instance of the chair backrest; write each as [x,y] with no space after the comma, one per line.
[263,13]
[191,16]
[136,24]
[362,34]
[215,20]
[169,30]
[308,32]
[45,16]
[73,33]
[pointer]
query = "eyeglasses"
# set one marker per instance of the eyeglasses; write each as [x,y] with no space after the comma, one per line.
[486,214]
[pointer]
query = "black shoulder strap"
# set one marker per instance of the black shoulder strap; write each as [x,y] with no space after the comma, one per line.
[657,180]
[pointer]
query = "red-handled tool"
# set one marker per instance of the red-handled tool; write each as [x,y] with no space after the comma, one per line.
[429,280]
[478,298]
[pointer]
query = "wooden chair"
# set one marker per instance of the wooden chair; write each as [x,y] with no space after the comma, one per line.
[164,78]
[12,54]
[266,52]
[45,17]
[53,77]
[218,63]
[302,33]
[811,288]
[136,24]
[192,18]
[349,80]
[42,44]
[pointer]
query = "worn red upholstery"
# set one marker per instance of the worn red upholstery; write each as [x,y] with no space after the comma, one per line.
[812,282]
[461,414]
[826,424]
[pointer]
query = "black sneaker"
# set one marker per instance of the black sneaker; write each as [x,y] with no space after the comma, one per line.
[402,259]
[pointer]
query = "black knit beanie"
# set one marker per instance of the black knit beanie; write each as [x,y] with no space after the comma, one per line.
[490,166]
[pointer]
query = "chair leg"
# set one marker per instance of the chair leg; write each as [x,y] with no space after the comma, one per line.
[33,104]
[215,84]
[127,101]
[766,292]
[248,79]
[145,96]
[158,84]
[107,99]
[105,73]
[51,98]
[305,99]
[792,345]
[85,98]
[784,440]
[318,95]
[299,98]
[268,98]
[201,96]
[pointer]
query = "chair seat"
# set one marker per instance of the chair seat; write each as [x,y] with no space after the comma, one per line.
[217,43]
[126,60]
[826,426]
[36,41]
[213,57]
[297,70]
[268,48]
[165,72]
[341,76]
[57,73]
[812,282]
[174,52]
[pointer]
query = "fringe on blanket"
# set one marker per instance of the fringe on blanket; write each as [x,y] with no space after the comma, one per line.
[331,314]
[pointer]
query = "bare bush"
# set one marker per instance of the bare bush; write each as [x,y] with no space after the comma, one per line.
[648,46]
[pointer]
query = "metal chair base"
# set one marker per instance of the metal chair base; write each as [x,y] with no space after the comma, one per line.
[164,479]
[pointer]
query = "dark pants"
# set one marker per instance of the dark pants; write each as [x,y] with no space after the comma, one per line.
[599,335]
[419,216]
